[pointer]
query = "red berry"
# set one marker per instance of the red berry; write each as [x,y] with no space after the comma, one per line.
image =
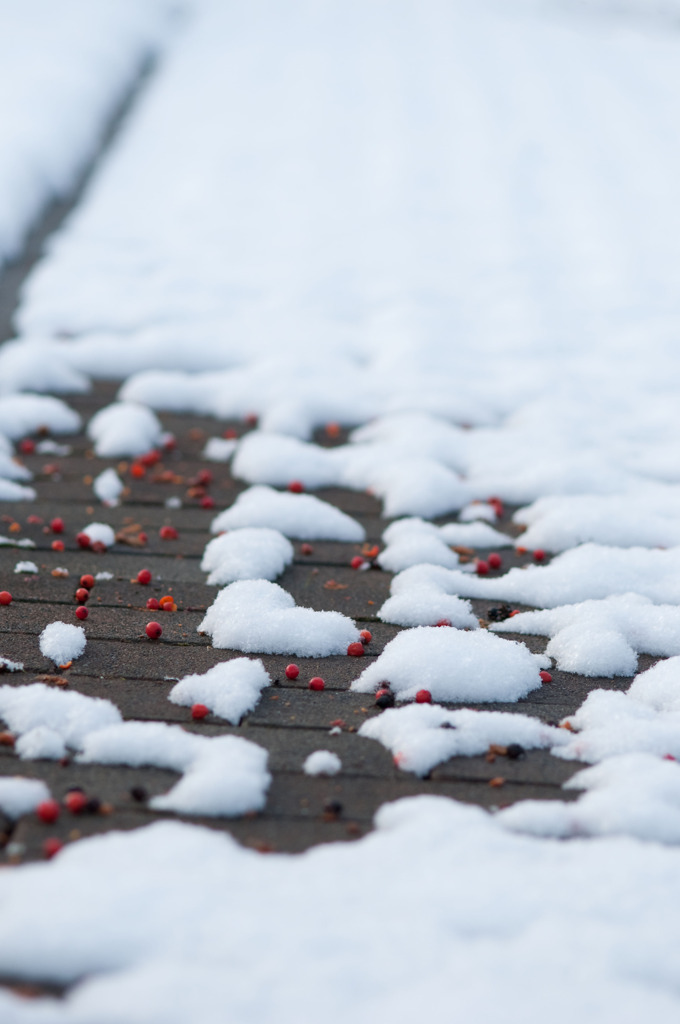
[356,650]
[204,478]
[52,846]
[366,636]
[99,547]
[87,581]
[443,622]
[142,538]
[82,612]
[296,486]
[316,683]
[199,711]
[520,550]
[153,630]
[82,540]
[150,459]
[495,561]
[545,677]
[207,502]
[168,533]
[482,568]
[137,470]
[48,811]
[153,604]
[357,562]
[58,545]
[82,595]
[250,420]
[57,525]
[5,597]
[230,434]
[292,671]
[34,520]
[423,697]
[539,555]
[497,506]
[75,801]
[144,577]
[27,446]
[306,549]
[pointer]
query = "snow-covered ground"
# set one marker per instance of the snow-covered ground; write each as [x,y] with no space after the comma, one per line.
[454,228]
[63,69]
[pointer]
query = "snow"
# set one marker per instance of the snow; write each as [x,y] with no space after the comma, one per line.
[602,638]
[256,616]
[249,937]
[322,762]
[124,429]
[7,665]
[421,736]
[632,795]
[420,596]
[221,775]
[27,414]
[218,449]
[61,78]
[230,689]
[62,642]
[19,796]
[9,491]
[246,554]
[454,665]
[21,567]
[591,571]
[647,519]
[301,516]
[12,542]
[477,510]
[100,533]
[108,487]
[414,542]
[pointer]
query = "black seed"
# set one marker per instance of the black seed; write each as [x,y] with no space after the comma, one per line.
[139,794]
[514,750]
[447,725]
[92,806]
[499,614]
[332,808]
[385,700]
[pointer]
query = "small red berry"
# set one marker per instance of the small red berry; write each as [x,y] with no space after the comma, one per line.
[58,545]
[153,630]
[539,555]
[199,711]
[520,550]
[137,470]
[168,533]
[75,801]
[150,459]
[87,581]
[495,561]
[82,540]
[34,520]
[82,595]
[357,562]
[204,478]
[292,671]
[48,811]
[27,446]
[57,525]
[306,549]
[144,577]
[207,502]
[545,677]
[98,547]
[423,697]
[443,622]
[230,434]
[296,486]
[52,846]
[356,650]
[153,604]
[366,636]
[82,612]
[5,597]
[316,683]
[482,567]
